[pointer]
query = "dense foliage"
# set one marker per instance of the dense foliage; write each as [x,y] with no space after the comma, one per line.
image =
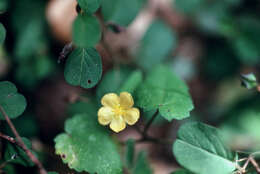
[124,86]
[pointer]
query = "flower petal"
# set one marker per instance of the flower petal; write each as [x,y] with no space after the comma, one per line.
[131,116]
[110,100]
[105,115]
[118,124]
[126,100]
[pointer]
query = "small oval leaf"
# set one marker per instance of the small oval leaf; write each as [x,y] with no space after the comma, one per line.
[86,31]
[200,149]
[90,6]
[83,67]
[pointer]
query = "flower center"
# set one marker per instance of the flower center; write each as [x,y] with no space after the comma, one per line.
[119,111]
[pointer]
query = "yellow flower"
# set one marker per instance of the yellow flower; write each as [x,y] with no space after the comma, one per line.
[117,111]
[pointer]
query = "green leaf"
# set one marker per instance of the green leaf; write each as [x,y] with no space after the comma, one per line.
[121,12]
[147,116]
[182,171]
[118,80]
[142,165]
[86,31]
[90,6]
[10,169]
[31,40]
[87,146]
[188,7]
[131,83]
[200,149]
[130,152]
[246,43]
[240,126]
[2,33]
[13,103]
[89,107]
[34,69]
[53,173]
[26,125]
[83,68]
[156,45]
[17,155]
[163,90]
[249,81]
[3,5]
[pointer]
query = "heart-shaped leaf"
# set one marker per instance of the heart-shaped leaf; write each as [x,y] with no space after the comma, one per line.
[12,103]
[163,90]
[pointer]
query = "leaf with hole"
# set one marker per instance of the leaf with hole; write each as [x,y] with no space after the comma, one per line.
[86,31]
[201,149]
[87,146]
[12,102]
[83,68]
[163,90]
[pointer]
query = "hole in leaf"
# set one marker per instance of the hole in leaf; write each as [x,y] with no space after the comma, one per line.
[63,156]
[89,81]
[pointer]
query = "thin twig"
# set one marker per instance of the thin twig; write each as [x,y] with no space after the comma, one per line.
[148,125]
[22,145]
[254,163]
[65,51]
[153,140]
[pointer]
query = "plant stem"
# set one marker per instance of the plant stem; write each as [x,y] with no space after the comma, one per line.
[148,125]
[254,163]
[22,145]
[153,140]
[146,138]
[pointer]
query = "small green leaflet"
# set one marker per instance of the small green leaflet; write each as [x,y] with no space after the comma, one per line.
[249,81]
[83,68]
[3,5]
[86,31]
[121,12]
[200,149]
[12,102]
[89,6]
[130,153]
[2,33]
[151,50]
[163,90]
[87,146]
